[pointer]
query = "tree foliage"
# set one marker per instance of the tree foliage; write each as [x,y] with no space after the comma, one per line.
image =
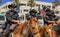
[31,3]
[17,2]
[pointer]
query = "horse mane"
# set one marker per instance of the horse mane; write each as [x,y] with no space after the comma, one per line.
[24,25]
[34,19]
[19,28]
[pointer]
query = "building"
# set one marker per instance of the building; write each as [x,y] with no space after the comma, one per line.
[4,8]
[24,9]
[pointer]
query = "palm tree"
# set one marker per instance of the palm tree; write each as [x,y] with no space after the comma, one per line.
[56,2]
[17,2]
[31,3]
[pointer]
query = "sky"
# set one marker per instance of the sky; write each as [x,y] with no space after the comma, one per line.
[46,0]
[4,1]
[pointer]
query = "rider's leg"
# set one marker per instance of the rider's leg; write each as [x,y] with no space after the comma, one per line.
[6,33]
[9,29]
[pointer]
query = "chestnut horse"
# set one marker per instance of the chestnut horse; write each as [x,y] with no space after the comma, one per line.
[34,27]
[50,31]
[22,30]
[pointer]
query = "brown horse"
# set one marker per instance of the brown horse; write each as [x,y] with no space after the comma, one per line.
[34,27]
[22,30]
[51,32]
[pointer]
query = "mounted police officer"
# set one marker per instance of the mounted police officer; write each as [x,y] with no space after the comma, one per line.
[57,26]
[32,13]
[12,18]
[49,17]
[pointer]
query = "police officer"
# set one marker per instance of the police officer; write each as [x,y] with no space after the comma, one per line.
[12,20]
[31,14]
[46,16]
[49,17]
[54,17]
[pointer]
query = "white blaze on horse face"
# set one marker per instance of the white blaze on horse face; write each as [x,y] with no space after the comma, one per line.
[35,26]
[41,22]
[50,30]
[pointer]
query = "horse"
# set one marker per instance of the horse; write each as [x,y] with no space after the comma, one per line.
[50,31]
[56,28]
[21,31]
[34,27]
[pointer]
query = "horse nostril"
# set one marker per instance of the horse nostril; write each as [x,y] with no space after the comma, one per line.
[33,27]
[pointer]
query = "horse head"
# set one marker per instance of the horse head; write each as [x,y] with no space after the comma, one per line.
[34,27]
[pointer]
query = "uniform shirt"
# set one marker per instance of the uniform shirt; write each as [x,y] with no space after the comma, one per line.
[11,15]
[49,18]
